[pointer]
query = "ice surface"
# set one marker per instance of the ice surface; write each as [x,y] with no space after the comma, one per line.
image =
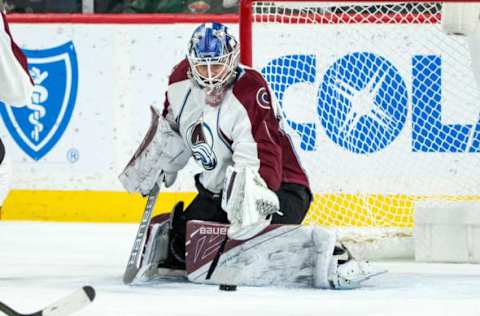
[41,262]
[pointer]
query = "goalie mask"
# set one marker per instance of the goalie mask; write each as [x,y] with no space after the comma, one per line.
[213,57]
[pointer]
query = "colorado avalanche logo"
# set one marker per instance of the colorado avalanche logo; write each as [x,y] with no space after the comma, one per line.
[38,126]
[263,99]
[200,140]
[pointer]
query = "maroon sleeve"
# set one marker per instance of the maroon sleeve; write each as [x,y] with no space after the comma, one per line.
[17,52]
[179,73]
[253,93]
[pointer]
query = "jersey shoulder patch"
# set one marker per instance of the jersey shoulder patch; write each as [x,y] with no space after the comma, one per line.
[251,90]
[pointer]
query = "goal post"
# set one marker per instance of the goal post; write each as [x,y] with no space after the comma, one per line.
[381,99]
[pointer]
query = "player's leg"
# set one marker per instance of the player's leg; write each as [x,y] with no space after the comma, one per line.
[294,200]
[205,207]
[156,250]
[165,246]
[164,252]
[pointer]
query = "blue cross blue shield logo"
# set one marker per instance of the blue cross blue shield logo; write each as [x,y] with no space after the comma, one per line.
[38,126]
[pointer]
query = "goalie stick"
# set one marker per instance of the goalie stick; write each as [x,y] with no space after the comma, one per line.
[65,306]
[214,263]
[133,265]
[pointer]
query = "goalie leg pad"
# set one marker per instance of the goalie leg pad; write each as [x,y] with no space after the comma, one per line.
[154,248]
[158,249]
[281,255]
[324,241]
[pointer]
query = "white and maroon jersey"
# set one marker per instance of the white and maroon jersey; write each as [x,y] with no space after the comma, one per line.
[242,131]
[15,82]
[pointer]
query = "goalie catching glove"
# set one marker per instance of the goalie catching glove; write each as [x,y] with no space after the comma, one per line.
[162,149]
[248,201]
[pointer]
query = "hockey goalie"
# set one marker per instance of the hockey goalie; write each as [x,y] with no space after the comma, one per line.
[252,192]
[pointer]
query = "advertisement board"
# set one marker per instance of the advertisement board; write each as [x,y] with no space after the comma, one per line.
[364,117]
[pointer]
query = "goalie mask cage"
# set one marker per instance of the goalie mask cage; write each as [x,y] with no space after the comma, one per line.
[381,101]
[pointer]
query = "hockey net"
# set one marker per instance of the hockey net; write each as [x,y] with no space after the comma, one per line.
[383,105]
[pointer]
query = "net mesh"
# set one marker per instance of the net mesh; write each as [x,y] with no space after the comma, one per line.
[383,104]
[346,12]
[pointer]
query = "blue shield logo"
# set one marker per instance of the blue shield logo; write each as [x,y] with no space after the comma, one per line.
[38,126]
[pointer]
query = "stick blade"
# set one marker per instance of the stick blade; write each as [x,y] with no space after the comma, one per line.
[7,310]
[71,303]
[129,275]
